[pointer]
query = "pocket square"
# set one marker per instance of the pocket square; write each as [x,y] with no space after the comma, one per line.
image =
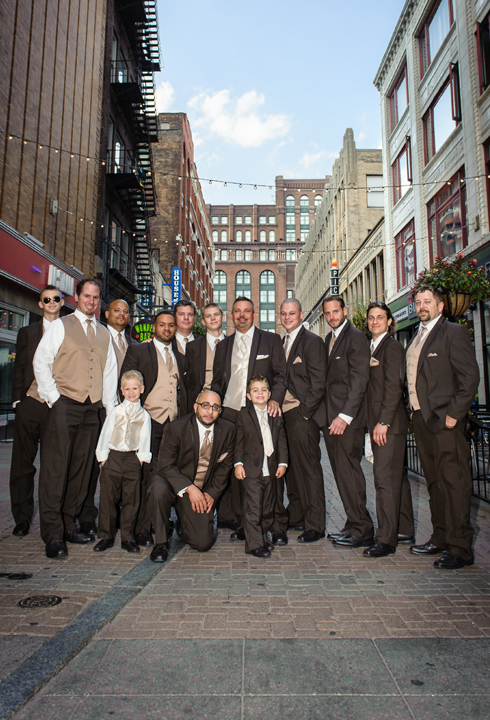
[432,355]
[298,360]
[338,357]
[261,357]
[222,457]
[373,362]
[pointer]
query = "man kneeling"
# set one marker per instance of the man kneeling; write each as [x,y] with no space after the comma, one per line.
[194,462]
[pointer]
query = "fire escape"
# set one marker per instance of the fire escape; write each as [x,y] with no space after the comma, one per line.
[130,173]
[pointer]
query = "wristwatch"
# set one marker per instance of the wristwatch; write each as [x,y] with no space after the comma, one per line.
[384,424]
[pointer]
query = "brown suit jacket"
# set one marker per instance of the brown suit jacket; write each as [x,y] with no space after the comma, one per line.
[249,447]
[384,401]
[447,374]
[28,339]
[196,369]
[178,456]
[347,375]
[306,372]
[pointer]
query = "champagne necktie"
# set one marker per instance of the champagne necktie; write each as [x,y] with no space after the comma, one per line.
[120,342]
[332,343]
[266,432]
[287,345]
[204,458]
[90,332]
[420,337]
[169,361]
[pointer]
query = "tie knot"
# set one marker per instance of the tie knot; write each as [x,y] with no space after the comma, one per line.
[207,434]
[186,340]
[216,341]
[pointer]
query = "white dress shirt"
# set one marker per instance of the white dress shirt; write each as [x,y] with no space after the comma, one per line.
[182,338]
[48,349]
[347,418]
[248,339]
[202,432]
[265,464]
[115,335]
[160,346]
[212,340]
[375,343]
[292,337]
[428,326]
[104,445]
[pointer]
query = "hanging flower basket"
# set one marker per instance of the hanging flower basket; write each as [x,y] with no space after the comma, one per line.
[456,304]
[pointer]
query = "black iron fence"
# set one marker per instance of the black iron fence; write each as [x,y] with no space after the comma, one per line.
[7,417]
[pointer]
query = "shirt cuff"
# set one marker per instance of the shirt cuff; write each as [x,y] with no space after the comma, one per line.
[53,397]
[238,463]
[144,457]
[283,464]
[347,418]
[182,492]
[14,404]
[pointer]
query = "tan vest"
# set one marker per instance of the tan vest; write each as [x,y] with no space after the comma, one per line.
[236,392]
[161,402]
[78,368]
[119,355]
[413,355]
[127,430]
[208,378]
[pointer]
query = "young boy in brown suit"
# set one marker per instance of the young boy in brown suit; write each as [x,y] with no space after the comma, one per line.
[261,454]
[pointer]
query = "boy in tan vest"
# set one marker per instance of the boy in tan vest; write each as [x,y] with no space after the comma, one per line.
[123,447]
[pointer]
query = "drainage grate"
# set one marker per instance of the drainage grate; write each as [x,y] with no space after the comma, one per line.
[39,601]
[16,576]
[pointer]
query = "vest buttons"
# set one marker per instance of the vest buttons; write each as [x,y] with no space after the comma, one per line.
[90,384]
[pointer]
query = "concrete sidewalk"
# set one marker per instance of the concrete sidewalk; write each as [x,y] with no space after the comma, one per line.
[312,632]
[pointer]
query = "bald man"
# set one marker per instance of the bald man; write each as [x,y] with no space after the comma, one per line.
[117,317]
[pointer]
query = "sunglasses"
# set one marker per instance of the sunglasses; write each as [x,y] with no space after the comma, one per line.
[55,299]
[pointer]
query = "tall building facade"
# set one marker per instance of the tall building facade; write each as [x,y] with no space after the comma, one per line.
[257,248]
[180,232]
[350,209]
[434,86]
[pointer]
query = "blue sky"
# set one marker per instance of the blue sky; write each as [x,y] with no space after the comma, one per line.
[270,87]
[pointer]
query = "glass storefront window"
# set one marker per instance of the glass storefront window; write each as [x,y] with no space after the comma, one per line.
[10,320]
[7,359]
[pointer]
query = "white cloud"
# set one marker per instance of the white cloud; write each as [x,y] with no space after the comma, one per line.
[362,136]
[310,159]
[164,96]
[238,122]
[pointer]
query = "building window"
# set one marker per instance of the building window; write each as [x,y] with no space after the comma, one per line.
[304,201]
[375,191]
[243,284]
[238,220]
[239,236]
[224,236]
[248,219]
[290,201]
[483,52]
[405,256]
[447,218]
[290,255]
[224,255]
[398,98]
[224,220]
[290,220]
[217,255]
[290,236]
[272,256]
[303,235]
[289,294]
[238,255]
[248,236]
[434,32]
[262,220]
[248,255]
[263,255]
[402,173]
[262,236]
[439,121]
[214,220]
[267,288]
[317,201]
[272,219]
[215,236]
[272,236]
[219,292]
[304,218]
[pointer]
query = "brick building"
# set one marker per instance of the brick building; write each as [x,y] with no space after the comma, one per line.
[257,248]
[180,229]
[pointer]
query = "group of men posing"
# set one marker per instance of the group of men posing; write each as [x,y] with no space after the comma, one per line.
[229,423]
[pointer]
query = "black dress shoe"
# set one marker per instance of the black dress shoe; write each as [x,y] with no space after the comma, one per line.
[104,545]
[78,538]
[56,549]
[22,528]
[379,550]
[269,546]
[159,553]
[296,527]
[259,552]
[228,524]
[426,549]
[130,546]
[336,535]
[144,539]
[451,562]
[406,539]
[280,538]
[310,536]
[350,541]
[238,534]
[88,528]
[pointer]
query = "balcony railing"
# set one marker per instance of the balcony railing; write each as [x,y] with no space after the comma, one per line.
[120,161]
[124,72]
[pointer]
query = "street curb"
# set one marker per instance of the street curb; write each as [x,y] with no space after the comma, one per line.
[46,662]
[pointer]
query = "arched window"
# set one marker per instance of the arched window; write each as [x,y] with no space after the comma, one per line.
[318,199]
[290,201]
[304,218]
[239,236]
[262,236]
[290,219]
[267,288]
[219,291]
[243,284]
[248,236]
[304,201]
[224,236]
[215,236]
[272,236]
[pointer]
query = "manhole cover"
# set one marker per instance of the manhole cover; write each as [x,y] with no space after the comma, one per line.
[16,576]
[39,601]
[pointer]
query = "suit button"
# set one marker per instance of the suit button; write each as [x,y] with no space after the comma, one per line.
[90,384]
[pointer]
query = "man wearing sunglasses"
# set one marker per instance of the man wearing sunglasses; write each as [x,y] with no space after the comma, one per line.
[194,462]
[31,412]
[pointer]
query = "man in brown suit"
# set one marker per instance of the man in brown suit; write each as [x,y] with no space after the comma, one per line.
[194,461]
[200,354]
[164,370]
[185,316]
[304,415]
[347,379]
[31,415]
[76,372]
[387,423]
[442,379]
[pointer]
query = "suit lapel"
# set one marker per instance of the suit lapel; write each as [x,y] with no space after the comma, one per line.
[152,351]
[214,449]
[377,352]
[337,342]
[203,349]
[180,360]
[255,420]
[195,442]
[253,351]
[229,351]
[294,349]
[432,336]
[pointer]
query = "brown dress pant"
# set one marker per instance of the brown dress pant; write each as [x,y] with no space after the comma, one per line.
[258,510]
[120,482]
[230,504]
